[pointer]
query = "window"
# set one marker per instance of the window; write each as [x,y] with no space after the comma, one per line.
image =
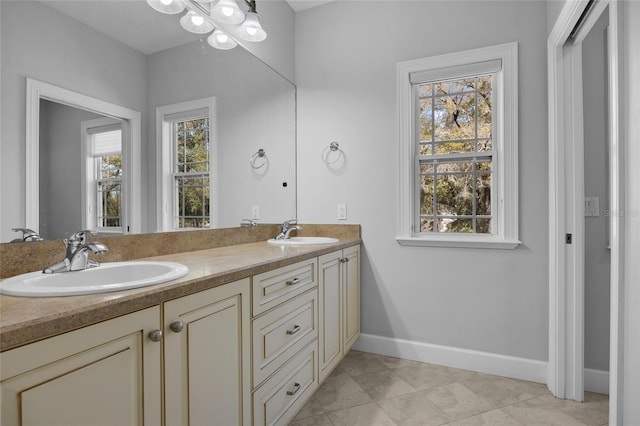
[104,178]
[187,152]
[458,149]
[190,143]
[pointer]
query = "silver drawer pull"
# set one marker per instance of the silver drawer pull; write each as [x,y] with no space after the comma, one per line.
[296,328]
[296,388]
[293,281]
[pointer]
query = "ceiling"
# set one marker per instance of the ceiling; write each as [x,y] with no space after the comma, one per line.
[298,5]
[135,24]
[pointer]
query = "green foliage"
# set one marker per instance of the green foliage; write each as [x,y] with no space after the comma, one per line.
[192,163]
[455,117]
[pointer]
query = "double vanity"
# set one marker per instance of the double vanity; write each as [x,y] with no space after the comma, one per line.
[245,338]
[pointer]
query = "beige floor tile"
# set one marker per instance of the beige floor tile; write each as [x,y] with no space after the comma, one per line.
[458,401]
[490,418]
[594,411]
[321,420]
[540,411]
[339,394]
[427,376]
[357,363]
[383,384]
[503,391]
[337,373]
[391,362]
[363,415]
[413,409]
[313,407]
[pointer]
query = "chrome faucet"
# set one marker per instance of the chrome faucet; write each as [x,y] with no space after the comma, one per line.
[27,235]
[286,228]
[77,254]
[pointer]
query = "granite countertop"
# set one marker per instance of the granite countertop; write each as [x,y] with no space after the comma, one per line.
[27,319]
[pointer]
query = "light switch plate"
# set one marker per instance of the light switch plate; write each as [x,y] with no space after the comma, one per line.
[591,206]
[255,212]
[342,212]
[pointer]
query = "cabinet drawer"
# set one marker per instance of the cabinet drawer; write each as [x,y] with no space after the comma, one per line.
[282,332]
[274,287]
[282,396]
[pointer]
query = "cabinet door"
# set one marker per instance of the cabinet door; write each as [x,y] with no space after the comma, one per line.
[350,296]
[207,357]
[329,309]
[104,374]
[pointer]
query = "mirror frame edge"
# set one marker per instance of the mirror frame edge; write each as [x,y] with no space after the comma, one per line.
[37,90]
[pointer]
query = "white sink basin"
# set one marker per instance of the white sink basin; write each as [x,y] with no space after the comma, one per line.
[111,276]
[303,241]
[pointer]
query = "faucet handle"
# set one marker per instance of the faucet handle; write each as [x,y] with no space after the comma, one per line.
[28,234]
[81,236]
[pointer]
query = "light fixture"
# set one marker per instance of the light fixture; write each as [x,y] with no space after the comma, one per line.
[227,11]
[195,23]
[203,16]
[221,41]
[251,30]
[170,7]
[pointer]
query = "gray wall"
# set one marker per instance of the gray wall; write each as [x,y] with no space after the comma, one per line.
[61,169]
[66,54]
[487,300]
[596,172]
[255,109]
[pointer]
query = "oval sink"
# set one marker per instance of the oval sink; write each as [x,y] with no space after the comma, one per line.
[303,241]
[110,276]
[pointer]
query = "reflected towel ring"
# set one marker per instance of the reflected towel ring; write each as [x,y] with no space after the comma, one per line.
[258,154]
[333,147]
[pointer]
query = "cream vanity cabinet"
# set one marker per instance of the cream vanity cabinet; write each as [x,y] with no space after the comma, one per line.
[111,373]
[207,357]
[108,373]
[339,306]
[285,341]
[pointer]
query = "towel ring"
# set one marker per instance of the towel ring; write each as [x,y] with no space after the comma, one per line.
[256,155]
[333,147]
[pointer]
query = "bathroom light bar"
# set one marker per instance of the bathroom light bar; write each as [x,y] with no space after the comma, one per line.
[221,13]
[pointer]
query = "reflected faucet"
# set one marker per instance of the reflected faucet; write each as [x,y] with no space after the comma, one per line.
[286,228]
[27,235]
[77,254]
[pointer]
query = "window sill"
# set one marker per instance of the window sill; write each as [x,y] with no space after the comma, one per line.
[459,242]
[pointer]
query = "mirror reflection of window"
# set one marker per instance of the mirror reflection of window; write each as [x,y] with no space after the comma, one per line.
[191,173]
[104,176]
[187,165]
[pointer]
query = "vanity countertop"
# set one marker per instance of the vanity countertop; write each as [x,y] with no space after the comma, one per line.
[25,319]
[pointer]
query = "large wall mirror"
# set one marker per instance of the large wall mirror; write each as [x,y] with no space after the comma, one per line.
[105,61]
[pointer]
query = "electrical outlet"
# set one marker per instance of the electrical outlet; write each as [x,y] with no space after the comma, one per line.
[342,212]
[255,212]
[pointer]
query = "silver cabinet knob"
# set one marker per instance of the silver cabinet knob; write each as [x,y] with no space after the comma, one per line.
[176,326]
[155,335]
[344,260]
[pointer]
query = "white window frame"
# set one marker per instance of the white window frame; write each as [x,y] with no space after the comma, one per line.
[505,144]
[89,190]
[164,165]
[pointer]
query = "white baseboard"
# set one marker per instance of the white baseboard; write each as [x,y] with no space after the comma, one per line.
[596,381]
[483,362]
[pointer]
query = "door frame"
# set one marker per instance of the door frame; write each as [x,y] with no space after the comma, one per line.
[566,192]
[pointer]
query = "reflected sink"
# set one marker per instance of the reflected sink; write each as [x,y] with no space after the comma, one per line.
[303,241]
[110,276]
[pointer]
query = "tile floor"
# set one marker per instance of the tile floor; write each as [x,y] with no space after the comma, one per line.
[374,390]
